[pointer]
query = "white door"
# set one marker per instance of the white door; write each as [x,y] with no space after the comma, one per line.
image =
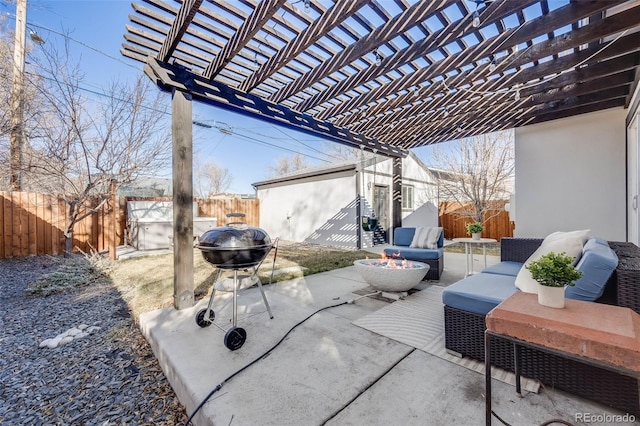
[381,205]
[633,177]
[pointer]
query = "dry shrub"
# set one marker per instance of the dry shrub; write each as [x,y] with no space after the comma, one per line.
[73,272]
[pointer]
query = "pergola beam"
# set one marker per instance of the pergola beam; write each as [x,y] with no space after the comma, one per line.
[416,50]
[569,112]
[607,62]
[169,77]
[530,115]
[390,29]
[593,91]
[544,49]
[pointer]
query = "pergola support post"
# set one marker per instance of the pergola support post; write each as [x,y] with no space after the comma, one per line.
[396,197]
[182,171]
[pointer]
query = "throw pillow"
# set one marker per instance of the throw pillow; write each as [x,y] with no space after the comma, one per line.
[570,243]
[426,237]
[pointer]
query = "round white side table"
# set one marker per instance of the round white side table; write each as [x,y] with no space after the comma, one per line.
[468,250]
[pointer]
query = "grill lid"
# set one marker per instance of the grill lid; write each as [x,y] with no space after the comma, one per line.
[233,237]
[234,247]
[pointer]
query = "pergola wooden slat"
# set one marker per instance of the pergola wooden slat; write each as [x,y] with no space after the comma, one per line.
[478,52]
[249,28]
[178,28]
[318,28]
[554,46]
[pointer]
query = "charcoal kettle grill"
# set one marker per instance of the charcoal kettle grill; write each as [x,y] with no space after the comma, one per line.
[240,248]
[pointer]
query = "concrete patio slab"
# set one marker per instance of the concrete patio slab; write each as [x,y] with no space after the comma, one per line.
[327,370]
[326,351]
[425,390]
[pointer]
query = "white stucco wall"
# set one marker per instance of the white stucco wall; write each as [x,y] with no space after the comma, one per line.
[309,203]
[424,184]
[321,208]
[424,215]
[570,174]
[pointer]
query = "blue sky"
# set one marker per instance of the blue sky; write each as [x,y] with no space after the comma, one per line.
[96,29]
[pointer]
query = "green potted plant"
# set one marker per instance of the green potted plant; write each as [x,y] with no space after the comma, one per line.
[553,271]
[475,230]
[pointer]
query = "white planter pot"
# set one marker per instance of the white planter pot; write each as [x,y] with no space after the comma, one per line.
[476,235]
[552,297]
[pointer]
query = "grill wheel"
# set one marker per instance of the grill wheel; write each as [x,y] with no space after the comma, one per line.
[202,321]
[235,337]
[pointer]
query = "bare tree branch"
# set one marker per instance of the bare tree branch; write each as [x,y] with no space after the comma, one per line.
[84,142]
[212,179]
[284,165]
[475,172]
[341,152]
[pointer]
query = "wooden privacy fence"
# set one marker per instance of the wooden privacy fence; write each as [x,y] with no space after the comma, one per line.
[496,226]
[33,224]
[220,207]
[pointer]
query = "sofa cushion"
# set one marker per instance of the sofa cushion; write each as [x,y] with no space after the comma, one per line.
[569,243]
[416,254]
[479,293]
[403,236]
[599,240]
[597,263]
[506,267]
[426,237]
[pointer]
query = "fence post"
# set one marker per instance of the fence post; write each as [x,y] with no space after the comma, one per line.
[112,222]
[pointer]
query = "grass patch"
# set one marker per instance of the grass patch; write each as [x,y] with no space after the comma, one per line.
[146,283]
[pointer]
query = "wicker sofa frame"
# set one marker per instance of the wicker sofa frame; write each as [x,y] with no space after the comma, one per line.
[464,335]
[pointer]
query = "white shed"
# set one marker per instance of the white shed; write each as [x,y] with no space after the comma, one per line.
[150,224]
[320,204]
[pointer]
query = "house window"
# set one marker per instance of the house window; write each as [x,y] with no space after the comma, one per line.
[407,197]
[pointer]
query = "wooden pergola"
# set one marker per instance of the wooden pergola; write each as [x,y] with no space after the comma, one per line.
[383,76]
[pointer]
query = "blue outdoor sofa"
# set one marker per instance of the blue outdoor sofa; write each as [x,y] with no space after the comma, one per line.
[402,238]
[611,274]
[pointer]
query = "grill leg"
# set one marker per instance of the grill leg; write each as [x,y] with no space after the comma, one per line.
[213,293]
[235,297]
[264,297]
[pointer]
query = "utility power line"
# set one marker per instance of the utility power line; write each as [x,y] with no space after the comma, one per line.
[98,93]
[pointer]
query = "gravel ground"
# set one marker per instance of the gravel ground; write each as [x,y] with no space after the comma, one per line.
[109,377]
